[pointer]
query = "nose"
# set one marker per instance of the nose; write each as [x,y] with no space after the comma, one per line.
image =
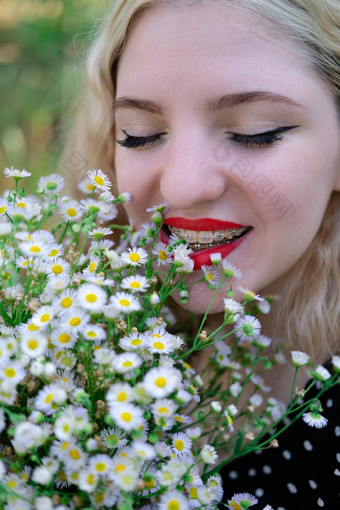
[190,175]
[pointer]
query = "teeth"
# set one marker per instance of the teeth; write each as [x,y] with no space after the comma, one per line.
[215,237]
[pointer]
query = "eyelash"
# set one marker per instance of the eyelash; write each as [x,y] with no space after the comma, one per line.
[260,140]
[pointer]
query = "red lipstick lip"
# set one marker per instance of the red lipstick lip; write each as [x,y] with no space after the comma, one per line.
[200,223]
[202,258]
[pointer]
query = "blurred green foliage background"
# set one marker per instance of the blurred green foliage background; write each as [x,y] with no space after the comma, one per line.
[42,49]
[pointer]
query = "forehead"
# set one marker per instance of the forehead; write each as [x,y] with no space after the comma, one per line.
[214,36]
[184,53]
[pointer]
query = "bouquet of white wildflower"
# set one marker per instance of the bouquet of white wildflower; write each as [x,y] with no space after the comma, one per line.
[99,407]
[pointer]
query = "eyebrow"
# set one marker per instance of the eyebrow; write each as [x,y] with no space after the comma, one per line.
[217,103]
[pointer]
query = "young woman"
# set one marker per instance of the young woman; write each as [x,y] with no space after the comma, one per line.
[230,112]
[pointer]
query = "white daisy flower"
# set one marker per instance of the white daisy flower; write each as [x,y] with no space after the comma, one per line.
[181,444]
[74,319]
[125,473]
[194,432]
[99,232]
[57,267]
[26,436]
[314,419]
[158,341]
[58,283]
[208,454]
[135,341]
[242,500]
[125,362]
[321,373]
[336,363]
[93,332]
[119,393]
[50,398]
[55,250]
[33,344]
[63,338]
[160,382]
[173,500]
[233,310]
[92,267]
[230,271]
[113,438]
[24,262]
[134,256]
[86,186]
[52,183]
[211,275]
[87,481]
[143,450]
[163,256]
[3,206]
[100,464]
[163,407]
[91,297]
[127,416]
[99,179]
[34,248]
[300,358]
[262,341]
[43,316]
[11,371]
[248,328]
[70,210]
[235,389]
[124,302]
[249,295]
[16,174]
[65,300]
[135,283]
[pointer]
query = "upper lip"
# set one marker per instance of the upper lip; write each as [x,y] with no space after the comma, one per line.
[200,223]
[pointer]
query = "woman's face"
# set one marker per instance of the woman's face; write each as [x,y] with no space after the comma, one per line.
[204,81]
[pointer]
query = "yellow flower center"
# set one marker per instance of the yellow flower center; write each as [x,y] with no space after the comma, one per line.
[100,467]
[57,269]
[32,327]
[64,338]
[35,249]
[66,302]
[92,267]
[49,398]
[173,505]
[121,396]
[159,346]
[71,212]
[193,493]
[235,505]
[91,334]
[119,467]
[3,209]
[53,253]
[62,476]
[163,410]
[74,454]
[32,344]
[91,298]
[162,255]
[126,416]
[90,479]
[75,321]
[124,302]
[179,445]
[10,372]
[99,498]
[136,341]
[149,485]
[12,484]
[98,180]
[134,257]
[21,204]
[135,285]
[127,364]
[45,317]
[160,382]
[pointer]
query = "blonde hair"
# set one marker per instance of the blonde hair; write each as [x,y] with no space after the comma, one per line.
[308,314]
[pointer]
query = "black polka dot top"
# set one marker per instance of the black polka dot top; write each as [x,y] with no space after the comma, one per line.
[302,474]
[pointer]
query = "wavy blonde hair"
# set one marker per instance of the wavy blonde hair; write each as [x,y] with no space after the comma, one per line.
[308,316]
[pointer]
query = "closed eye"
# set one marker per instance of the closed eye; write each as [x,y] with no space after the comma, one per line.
[265,139]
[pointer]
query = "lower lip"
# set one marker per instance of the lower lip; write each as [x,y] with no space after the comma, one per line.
[202,258]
